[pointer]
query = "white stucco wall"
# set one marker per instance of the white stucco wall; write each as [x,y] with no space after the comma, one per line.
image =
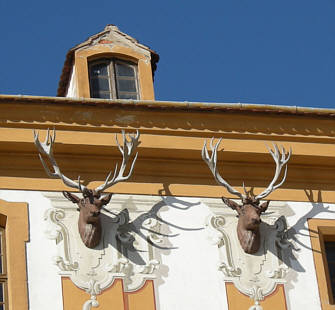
[191,279]
[301,287]
[72,89]
[44,283]
[188,277]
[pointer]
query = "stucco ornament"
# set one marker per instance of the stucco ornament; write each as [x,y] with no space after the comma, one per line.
[258,274]
[250,210]
[125,250]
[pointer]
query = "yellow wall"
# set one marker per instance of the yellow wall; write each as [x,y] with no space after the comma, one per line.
[114,297]
[14,217]
[238,301]
[169,160]
[320,229]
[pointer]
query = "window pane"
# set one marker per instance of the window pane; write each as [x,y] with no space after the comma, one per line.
[99,70]
[2,307]
[124,70]
[330,254]
[127,96]
[126,85]
[101,95]
[330,251]
[108,76]
[1,292]
[99,84]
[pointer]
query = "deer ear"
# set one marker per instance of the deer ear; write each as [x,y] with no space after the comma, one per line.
[264,206]
[71,197]
[232,204]
[105,199]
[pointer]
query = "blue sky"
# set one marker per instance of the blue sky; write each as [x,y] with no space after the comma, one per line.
[250,51]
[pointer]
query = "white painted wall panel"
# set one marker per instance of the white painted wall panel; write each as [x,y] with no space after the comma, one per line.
[72,89]
[44,283]
[188,277]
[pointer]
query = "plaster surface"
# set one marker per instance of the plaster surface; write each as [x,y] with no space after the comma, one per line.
[44,283]
[188,275]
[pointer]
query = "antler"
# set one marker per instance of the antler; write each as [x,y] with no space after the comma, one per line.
[46,149]
[281,160]
[126,151]
[212,161]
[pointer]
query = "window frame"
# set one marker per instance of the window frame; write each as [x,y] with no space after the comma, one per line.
[111,63]
[14,219]
[322,230]
[4,274]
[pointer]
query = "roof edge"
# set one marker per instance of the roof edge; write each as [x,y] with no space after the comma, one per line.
[172,105]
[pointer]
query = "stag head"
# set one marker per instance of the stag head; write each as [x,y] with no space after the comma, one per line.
[249,212]
[90,205]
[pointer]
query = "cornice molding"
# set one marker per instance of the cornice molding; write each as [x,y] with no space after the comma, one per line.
[170,150]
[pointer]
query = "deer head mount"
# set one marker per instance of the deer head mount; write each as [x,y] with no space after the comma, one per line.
[250,210]
[90,205]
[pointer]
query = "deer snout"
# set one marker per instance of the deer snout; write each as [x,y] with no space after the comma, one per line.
[253,223]
[256,220]
[95,213]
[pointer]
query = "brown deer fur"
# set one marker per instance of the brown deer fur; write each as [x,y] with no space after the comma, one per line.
[248,222]
[89,206]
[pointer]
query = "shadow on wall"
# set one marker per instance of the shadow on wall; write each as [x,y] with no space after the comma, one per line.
[297,232]
[129,231]
[300,228]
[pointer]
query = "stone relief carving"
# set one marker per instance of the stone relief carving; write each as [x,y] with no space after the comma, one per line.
[258,274]
[121,253]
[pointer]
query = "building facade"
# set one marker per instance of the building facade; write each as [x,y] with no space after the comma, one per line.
[167,239]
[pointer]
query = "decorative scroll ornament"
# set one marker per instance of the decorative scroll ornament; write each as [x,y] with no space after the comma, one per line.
[258,274]
[124,250]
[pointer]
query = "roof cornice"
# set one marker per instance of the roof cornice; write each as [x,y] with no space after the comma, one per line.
[173,105]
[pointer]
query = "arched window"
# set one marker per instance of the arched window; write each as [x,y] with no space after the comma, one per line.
[113,79]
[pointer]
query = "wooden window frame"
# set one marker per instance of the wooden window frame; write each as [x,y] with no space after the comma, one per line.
[322,230]
[14,218]
[4,274]
[112,77]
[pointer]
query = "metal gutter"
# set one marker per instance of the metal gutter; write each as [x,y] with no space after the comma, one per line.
[172,105]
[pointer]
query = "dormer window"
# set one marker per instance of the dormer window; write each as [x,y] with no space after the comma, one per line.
[113,79]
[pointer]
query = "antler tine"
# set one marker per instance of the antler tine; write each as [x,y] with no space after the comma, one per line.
[105,185]
[46,168]
[281,159]
[81,188]
[133,143]
[46,149]
[245,190]
[126,151]
[212,162]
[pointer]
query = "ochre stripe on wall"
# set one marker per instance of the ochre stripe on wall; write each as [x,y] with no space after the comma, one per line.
[142,299]
[237,301]
[112,298]
[74,298]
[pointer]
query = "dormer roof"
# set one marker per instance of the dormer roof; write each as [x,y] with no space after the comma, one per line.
[110,35]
